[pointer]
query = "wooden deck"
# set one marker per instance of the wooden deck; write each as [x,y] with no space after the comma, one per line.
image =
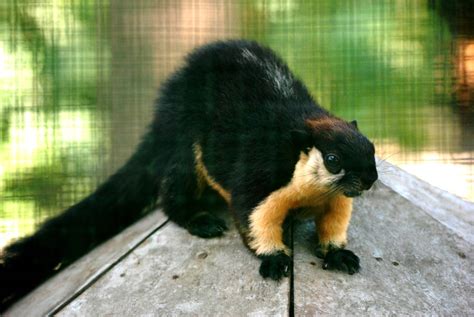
[415,243]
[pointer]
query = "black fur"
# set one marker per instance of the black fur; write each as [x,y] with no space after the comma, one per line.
[342,260]
[275,266]
[241,103]
[206,225]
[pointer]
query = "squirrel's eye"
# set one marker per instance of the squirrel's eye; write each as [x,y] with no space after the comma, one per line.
[332,158]
[332,163]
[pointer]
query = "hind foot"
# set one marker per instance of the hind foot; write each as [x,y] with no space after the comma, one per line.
[206,225]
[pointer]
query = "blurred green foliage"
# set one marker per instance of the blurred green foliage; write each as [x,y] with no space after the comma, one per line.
[389,64]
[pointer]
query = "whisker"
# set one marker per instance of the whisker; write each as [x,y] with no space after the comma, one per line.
[332,191]
[308,174]
[383,160]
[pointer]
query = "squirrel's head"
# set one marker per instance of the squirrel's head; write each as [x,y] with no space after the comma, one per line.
[340,157]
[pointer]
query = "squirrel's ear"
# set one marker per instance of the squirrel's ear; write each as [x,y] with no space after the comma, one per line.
[354,123]
[301,139]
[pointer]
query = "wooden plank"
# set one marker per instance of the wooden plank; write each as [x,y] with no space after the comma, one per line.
[411,265]
[79,275]
[452,211]
[174,273]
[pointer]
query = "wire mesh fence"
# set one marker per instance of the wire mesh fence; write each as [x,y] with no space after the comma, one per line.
[78,79]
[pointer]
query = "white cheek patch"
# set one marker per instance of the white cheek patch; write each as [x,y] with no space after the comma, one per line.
[313,170]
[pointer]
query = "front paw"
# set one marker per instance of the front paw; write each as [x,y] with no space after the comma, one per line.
[343,260]
[275,266]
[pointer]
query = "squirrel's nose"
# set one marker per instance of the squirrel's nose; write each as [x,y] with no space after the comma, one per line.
[368,179]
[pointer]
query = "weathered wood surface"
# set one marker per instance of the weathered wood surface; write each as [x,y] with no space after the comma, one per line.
[60,289]
[454,212]
[411,265]
[416,258]
[176,274]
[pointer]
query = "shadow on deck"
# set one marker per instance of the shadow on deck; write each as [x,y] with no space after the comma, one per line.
[415,243]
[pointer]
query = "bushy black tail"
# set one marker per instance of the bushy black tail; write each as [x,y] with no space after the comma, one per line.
[120,201]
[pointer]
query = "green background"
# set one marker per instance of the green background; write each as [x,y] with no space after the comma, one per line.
[78,80]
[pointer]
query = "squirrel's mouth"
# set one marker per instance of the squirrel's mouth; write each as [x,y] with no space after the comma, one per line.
[352,193]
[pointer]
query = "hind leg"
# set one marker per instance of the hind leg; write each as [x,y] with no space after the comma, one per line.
[183,203]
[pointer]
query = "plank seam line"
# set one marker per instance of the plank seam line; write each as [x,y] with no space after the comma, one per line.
[82,289]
